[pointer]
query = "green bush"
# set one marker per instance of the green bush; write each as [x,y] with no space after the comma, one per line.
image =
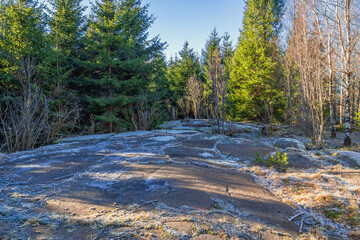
[258,159]
[279,161]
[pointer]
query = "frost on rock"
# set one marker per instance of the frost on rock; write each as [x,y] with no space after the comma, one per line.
[103,180]
[131,134]
[353,155]
[160,182]
[86,138]
[290,143]
[206,155]
[163,138]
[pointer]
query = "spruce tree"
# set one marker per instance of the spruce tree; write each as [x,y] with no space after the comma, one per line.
[179,71]
[122,63]
[23,47]
[254,82]
[212,51]
[66,32]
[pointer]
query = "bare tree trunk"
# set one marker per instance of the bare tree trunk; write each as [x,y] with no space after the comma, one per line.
[347,140]
[341,106]
[173,114]
[215,74]
[223,108]
[217,102]
[348,40]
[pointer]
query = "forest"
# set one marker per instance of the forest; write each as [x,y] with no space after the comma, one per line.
[64,72]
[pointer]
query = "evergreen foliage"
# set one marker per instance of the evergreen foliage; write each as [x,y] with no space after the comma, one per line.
[255,91]
[66,32]
[55,59]
[23,47]
[122,63]
[179,71]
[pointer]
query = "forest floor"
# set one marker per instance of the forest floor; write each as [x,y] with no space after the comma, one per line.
[182,182]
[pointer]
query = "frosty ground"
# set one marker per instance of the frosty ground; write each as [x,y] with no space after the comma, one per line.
[181,181]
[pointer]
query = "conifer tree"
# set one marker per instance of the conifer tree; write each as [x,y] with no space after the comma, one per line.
[179,71]
[217,49]
[23,47]
[254,83]
[212,51]
[66,31]
[227,54]
[122,62]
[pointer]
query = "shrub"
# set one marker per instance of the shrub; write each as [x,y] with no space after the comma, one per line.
[279,161]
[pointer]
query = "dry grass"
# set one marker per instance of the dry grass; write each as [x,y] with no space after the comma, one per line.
[324,192]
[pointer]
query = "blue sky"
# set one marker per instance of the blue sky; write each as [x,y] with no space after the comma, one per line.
[193,20]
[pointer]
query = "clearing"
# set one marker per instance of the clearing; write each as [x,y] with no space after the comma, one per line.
[180,182]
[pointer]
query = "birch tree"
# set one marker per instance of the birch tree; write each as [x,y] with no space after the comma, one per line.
[347,20]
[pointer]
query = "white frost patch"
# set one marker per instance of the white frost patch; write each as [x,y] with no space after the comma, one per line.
[241,126]
[106,176]
[214,137]
[154,183]
[131,134]
[206,154]
[230,163]
[71,150]
[128,177]
[353,155]
[163,138]
[130,154]
[103,180]
[86,138]
[100,185]
[150,179]
[176,131]
[32,166]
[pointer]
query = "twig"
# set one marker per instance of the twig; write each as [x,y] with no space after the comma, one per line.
[222,212]
[149,202]
[66,176]
[29,180]
[295,216]
[302,224]
[140,237]
[99,234]
[52,194]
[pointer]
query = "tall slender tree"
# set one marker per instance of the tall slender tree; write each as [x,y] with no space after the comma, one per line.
[347,20]
[66,31]
[254,82]
[211,57]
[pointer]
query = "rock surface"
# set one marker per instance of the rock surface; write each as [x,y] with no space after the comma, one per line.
[180,182]
[284,143]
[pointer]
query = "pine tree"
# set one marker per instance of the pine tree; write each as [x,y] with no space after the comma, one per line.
[254,82]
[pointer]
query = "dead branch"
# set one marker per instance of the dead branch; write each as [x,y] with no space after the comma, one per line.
[295,216]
